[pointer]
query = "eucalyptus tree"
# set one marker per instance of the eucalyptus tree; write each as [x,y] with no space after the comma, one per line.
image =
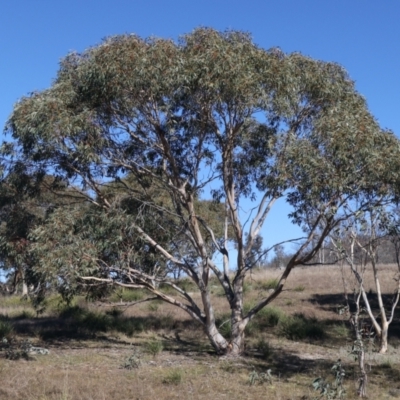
[210,116]
[24,205]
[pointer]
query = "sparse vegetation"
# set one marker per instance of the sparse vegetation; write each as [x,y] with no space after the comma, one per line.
[260,377]
[165,351]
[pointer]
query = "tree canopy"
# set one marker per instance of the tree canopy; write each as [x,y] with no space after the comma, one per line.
[212,116]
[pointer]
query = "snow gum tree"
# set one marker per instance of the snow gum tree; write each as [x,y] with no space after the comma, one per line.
[211,116]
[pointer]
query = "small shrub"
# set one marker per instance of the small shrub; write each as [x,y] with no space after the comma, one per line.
[271,316]
[127,326]
[87,320]
[187,285]
[299,328]
[173,377]
[96,322]
[266,318]
[6,329]
[154,347]
[133,361]
[333,390]
[264,348]
[299,288]
[255,377]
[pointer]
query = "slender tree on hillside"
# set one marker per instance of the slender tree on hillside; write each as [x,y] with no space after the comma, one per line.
[359,248]
[212,116]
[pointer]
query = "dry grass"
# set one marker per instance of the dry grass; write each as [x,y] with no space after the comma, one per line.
[89,348]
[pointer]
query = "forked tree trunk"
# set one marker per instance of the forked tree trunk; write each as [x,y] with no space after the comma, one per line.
[219,343]
[233,347]
[237,338]
[383,340]
[238,324]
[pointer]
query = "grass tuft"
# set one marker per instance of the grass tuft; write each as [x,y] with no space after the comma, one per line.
[269,284]
[173,377]
[154,347]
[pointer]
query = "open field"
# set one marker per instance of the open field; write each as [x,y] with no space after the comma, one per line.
[154,351]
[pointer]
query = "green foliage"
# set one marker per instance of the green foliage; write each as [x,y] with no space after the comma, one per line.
[298,327]
[94,322]
[6,329]
[340,330]
[268,317]
[14,349]
[187,285]
[262,377]
[264,348]
[247,287]
[154,347]
[335,390]
[299,288]
[224,325]
[135,130]
[271,316]
[269,284]
[133,361]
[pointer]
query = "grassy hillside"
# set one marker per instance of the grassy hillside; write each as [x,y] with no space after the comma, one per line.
[154,351]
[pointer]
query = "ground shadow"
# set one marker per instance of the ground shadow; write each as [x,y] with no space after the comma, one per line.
[334,302]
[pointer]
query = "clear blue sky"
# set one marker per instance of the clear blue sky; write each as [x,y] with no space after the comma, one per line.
[362,35]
